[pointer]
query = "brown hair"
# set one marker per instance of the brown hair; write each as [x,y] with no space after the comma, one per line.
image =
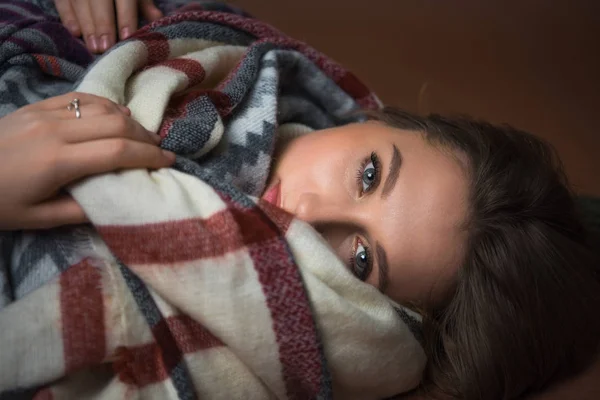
[524,311]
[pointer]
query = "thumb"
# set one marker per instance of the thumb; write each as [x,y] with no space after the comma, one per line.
[149,10]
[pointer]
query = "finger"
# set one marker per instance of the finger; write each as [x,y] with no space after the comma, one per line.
[86,23]
[100,156]
[89,110]
[149,10]
[62,102]
[127,17]
[104,23]
[61,210]
[105,127]
[68,17]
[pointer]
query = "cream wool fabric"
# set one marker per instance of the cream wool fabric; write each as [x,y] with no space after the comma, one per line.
[187,285]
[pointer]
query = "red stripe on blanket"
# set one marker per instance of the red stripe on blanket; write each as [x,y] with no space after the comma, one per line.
[281,218]
[170,351]
[296,334]
[191,239]
[353,86]
[48,64]
[190,335]
[221,101]
[179,106]
[157,46]
[266,33]
[41,62]
[140,365]
[151,363]
[256,227]
[191,68]
[54,65]
[252,26]
[174,241]
[82,312]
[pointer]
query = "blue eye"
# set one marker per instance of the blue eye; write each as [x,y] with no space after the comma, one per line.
[361,262]
[368,174]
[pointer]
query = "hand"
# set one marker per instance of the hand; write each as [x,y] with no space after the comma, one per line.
[43,147]
[95,19]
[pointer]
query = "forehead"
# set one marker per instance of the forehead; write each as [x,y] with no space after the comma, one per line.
[421,222]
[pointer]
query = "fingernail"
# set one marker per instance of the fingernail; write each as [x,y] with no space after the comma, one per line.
[105,42]
[125,33]
[93,42]
[125,109]
[168,154]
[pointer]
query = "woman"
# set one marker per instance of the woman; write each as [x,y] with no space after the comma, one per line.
[470,224]
[472,209]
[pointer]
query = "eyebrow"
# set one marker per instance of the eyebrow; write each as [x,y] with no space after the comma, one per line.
[394,171]
[384,276]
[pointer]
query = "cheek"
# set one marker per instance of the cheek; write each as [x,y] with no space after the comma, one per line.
[339,238]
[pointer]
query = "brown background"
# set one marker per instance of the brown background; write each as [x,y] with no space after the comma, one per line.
[534,64]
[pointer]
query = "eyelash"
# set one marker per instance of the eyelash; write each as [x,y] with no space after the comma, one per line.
[352,260]
[359,179]
[359,173]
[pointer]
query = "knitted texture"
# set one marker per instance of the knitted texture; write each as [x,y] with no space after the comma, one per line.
[186,285]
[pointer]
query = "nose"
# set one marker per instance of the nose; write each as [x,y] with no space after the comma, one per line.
[306,206]
[314,209]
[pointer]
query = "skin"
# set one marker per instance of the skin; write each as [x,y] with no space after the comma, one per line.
[94,20]
[44,148]
[418,221]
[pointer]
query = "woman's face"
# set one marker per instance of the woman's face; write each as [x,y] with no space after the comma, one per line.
[389,203]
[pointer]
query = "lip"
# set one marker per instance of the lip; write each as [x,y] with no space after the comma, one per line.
[273,194]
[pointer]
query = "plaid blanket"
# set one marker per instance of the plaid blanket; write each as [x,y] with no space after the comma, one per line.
[186,285]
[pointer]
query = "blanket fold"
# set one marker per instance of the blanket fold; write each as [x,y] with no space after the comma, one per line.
[187,285]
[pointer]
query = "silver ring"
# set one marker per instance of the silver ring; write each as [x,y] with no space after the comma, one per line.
[74,105]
